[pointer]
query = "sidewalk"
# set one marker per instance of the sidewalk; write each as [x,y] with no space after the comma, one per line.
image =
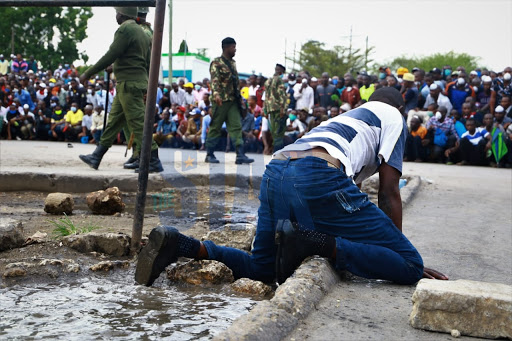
[52,166]
[462,225]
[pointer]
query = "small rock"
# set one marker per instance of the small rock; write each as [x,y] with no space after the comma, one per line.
[46,262]
[109,265]
[59,203]
[14,272]
[38,237]
[115,244]
[106,202]
[73,267]
[455,333]
[19,265]
[11,234]
[239,236]
[201,272]
[251,287]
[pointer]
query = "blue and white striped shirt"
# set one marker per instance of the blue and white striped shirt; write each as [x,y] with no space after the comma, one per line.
[361,139]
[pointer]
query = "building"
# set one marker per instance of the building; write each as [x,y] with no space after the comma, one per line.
[192,66]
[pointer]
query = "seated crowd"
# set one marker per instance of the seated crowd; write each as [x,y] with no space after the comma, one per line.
[452,116]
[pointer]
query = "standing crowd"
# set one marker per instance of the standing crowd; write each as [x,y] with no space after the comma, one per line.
[453,116]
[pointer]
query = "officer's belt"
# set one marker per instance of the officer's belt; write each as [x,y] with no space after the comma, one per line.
[315,152]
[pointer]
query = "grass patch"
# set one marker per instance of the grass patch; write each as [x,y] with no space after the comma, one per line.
[65,227]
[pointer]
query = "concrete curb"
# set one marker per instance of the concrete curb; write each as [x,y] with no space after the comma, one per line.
[74,183]
[293,301]
[296,298]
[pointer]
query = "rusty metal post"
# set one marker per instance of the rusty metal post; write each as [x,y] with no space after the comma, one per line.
[154,69]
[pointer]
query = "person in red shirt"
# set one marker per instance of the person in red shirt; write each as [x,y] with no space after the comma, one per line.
[350,94]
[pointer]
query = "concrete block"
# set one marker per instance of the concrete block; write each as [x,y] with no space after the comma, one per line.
[474,308]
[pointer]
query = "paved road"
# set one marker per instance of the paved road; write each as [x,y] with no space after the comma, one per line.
[462,225]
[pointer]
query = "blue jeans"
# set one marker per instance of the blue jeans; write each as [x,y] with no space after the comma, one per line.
[323,198]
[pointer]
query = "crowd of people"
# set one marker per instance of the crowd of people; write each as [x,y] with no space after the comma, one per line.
[452,116]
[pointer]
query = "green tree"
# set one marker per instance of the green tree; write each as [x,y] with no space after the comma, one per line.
[438,60]
[184,47]
[50,34]
[315,58]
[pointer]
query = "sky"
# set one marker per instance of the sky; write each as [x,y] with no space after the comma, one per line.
[267,29]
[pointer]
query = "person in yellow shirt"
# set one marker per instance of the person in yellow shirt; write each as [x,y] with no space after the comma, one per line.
[73,123]
[416,143]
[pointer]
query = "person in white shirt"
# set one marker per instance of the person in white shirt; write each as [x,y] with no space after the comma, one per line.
[42,92]
[435,96]
[97,123]
[304,94]
[253,87]
[177,95]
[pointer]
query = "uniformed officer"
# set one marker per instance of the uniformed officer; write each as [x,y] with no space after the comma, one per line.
[275,106]
[130,52]
[226,103]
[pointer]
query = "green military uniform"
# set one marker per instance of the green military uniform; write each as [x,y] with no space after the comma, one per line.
[130,52]
[229,112]
[275,105]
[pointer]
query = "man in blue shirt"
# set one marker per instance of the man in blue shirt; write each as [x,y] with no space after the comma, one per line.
[165,130]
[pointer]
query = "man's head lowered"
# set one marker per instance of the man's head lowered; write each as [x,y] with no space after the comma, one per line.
[389,96]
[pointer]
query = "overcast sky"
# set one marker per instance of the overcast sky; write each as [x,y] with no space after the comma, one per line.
[261,28]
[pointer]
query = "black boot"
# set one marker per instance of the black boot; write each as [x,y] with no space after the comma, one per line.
[296,244]
[210,157]
[157,254]
[155,166]
[94,159]
[132,163]
[241,157]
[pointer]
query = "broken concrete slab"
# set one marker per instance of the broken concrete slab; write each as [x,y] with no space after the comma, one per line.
[59,203]
[251,287]
[239,236]
[11,234]
[109,265]
[473,308]
[114,244]
[109,201]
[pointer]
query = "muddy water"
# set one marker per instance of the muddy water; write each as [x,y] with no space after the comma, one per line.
[101,307]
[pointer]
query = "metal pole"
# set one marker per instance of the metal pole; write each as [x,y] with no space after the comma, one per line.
[106,102]
[170,41]
[156,53]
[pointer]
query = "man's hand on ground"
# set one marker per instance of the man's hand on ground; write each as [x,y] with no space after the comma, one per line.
[433,274]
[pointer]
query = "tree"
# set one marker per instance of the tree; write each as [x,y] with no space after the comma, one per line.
[315,58]
[50,34]
[438,60]
[184,47]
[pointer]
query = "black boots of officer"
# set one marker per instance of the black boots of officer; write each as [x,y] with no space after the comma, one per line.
[155,166]
[210,157]
[132,163]
[241,157]
[94,159]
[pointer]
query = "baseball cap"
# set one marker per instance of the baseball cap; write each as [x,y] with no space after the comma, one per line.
[436,70]
[401,71]
[408,77]
[189,85]
[292,76]
[42,85]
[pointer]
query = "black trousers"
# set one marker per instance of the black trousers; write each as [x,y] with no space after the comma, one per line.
[414,150]
[473,154]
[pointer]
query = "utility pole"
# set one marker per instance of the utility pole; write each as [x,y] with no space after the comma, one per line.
[185,58]
[366,55]
[350,50]
[285,41]
[12,39]
[170,41]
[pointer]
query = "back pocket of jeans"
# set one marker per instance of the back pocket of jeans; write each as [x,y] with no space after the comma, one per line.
[350,199]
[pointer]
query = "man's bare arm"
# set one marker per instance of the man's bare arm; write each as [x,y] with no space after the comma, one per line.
[390,201]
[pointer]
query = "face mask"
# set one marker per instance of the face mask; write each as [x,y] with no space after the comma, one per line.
[438,115]
[198,87]
[15,90]
[292,117]
[430,113]
[100,92]
[89,91]
[400,80]
[166,90]
[349,88]
[73,109]
[382,75]
[53,104]
[334,81]
[475,89]
[292,82]
[58,112]
[447,72]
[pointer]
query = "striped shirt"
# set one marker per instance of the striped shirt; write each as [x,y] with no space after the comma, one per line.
[480,133]
[361,139]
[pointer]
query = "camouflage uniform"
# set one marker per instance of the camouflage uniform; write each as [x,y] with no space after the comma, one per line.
[229,112]
[275,105]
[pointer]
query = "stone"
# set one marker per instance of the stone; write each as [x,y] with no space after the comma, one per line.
[59,203]
[201,272]
[109,265]
[107,202]
[114,244]
[455,333]
[38,237]
[14,272]
[251,287]
[239,236]
[11,234]
[473,308]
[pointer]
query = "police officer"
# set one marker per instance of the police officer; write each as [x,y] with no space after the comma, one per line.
[275,106]
[130,52]
[226,103]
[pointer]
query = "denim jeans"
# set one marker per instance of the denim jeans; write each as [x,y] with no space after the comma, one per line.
[323,198]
